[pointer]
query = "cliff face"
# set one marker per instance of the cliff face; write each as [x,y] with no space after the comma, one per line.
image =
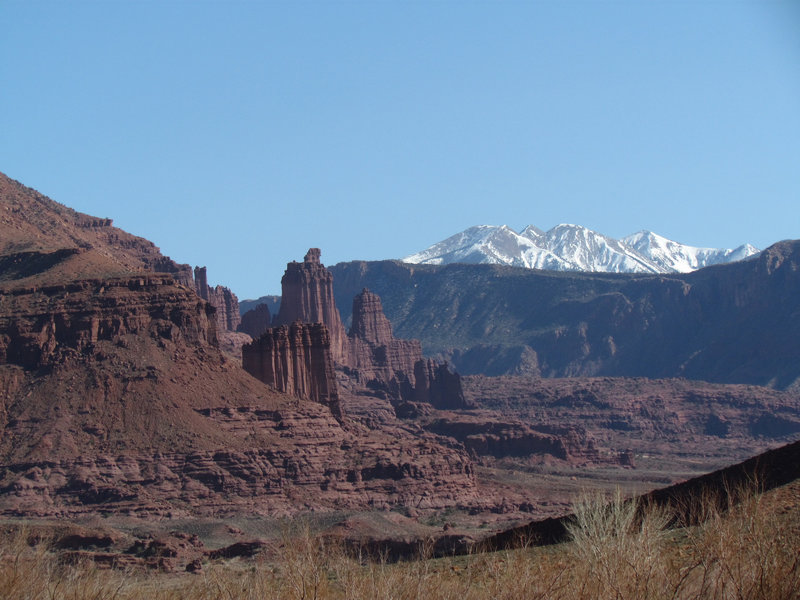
[221,298]
[296,359]
[369,353]
[398,366]
[307,296]
[39,325]
[256,321]
[114,395]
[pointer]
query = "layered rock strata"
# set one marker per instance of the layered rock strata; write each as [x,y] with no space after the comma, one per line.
[307,296]
[311,463]
[295,359]
[734,323]
[39,325]
[398,366]
[256,321]
[221,298]
[115,397]
[369,353]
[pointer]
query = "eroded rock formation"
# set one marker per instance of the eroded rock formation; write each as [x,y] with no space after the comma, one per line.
[398,366]
[256,321]
[296,359]
[114,396]
[221,298]
[374,361]
[39,325]
[307,296]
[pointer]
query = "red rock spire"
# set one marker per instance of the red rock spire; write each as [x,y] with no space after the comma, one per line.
[307,296]
[369,322]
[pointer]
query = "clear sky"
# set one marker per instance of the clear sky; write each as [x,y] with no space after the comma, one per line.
[238,134]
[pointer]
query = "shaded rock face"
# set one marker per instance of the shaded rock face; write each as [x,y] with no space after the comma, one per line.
[221,298]
[307,296]
[436,384]
[34,222]
[397,365]
[369,322]
[663,421]
[256,321]
[38,325]
[299,358]
[295,359]
[277,460]
[499,439]
[115,397]
[369,352]
[734,323]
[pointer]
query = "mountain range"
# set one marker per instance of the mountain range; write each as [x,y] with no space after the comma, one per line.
[729,323]
[574,248]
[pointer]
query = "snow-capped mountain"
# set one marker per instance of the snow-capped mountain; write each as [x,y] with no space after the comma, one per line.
[675,257]
[491,244]
[574,248]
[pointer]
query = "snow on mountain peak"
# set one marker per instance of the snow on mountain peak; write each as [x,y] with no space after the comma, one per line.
[569,247]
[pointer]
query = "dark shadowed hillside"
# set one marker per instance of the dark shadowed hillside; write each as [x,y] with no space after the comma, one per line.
[736,323]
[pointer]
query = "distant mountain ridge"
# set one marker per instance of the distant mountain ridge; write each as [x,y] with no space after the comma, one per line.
[729,323]
[568,247]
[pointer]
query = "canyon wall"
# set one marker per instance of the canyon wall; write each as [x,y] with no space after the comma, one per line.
[221,298]
[377,358]
[39,325]
[369,353]
[256,321]
[307,296]
[296,359]
[734,323]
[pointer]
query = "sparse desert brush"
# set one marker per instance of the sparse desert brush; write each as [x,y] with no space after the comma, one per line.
[30,571]
[621,550]
[740,551]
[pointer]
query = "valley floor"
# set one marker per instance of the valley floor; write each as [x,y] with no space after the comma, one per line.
[749,551]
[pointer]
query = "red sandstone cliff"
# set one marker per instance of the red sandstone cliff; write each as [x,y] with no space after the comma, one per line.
[299,359]
[296,359]
[378,359]
[114,395]
[221,298]
[256,321]
[307,296]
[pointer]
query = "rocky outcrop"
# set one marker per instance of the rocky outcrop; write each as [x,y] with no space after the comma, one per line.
[221,298]
[437,385]
[307,296]
[369,322]
[273,304]
[39,325]
[295,359]
[375,358]
[311,463]
[372,358]
[256,321]
[398,366]
[115,397]
[489,437]
[31,221]
[662,421]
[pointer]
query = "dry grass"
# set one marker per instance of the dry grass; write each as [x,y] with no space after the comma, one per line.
[619,550]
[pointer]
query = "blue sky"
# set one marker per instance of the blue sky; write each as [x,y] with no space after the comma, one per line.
[237,134]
